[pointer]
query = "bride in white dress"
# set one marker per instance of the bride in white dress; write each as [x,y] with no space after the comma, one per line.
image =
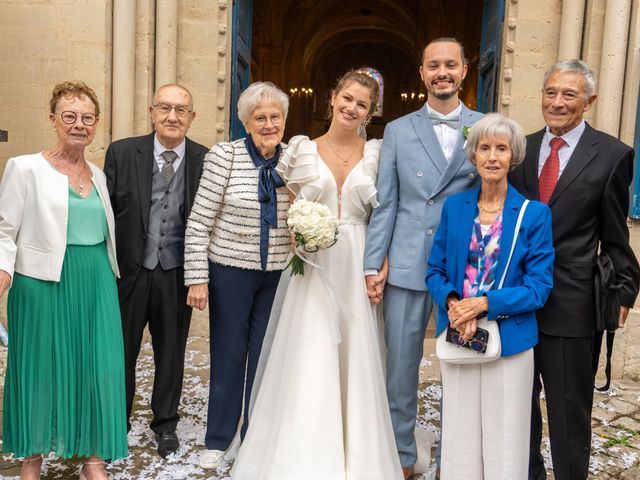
[321,410]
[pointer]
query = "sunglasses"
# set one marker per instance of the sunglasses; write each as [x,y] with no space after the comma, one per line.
[478,343]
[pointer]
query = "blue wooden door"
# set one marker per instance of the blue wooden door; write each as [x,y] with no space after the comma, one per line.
[490,46]
[240,61]
[635,193]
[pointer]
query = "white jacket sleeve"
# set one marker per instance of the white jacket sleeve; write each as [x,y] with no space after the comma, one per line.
[12,201]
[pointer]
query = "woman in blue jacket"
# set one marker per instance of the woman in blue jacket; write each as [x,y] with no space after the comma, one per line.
[487,406]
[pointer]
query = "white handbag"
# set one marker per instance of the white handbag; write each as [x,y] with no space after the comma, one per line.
[452,353]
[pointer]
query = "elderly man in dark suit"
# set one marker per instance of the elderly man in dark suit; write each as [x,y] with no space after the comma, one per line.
[583,175]
[152,181]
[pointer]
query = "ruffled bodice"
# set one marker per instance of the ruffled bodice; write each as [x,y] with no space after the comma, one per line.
[306,174]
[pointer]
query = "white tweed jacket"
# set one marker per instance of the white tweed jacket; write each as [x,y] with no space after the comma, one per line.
[224,224]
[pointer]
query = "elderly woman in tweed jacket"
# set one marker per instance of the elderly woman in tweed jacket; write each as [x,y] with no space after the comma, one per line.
[236,246]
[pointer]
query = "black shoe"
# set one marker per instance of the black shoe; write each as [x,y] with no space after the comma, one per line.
[168,443]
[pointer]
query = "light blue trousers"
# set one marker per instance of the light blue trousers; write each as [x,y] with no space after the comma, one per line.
[406,314]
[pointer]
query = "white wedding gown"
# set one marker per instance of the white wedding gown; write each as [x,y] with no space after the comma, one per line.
[321,410]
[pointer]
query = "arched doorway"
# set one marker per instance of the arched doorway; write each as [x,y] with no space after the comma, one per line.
[304,46]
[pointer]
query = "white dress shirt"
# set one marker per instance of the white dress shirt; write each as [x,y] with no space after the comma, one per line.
[564,154]
[159,149]
[447,136]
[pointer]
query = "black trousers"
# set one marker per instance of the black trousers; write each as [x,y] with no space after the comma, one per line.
[159,299]
[564,366]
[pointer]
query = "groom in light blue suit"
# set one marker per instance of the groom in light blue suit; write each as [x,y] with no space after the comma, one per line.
[422,162]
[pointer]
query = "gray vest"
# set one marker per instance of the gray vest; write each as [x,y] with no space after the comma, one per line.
[165,236]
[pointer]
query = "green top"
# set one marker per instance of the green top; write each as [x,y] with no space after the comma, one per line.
[87,220]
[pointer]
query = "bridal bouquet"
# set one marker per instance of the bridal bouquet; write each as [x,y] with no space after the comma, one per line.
[314,228]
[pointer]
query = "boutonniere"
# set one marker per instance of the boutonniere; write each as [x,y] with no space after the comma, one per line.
[465,134]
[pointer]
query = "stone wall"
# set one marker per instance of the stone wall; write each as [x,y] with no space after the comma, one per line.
[45,42]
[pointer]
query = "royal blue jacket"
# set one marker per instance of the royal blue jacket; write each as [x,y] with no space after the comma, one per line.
[528,281]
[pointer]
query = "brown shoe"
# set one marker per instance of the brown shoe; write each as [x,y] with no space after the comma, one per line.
[407,472]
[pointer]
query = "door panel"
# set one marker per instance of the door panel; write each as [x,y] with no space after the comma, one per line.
[490,47]
[241,61]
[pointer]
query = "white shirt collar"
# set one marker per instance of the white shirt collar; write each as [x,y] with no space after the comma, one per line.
[457,110]
[158,148]
[572,137]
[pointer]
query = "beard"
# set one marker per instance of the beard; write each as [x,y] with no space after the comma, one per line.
[445,94]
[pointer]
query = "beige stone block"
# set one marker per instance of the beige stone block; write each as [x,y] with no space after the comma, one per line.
[199,10]
[55,70]
[14,15]
[628,423]
[27,43]
[620,406]
[199,39]
[198,74]
[20,70]
[24,96]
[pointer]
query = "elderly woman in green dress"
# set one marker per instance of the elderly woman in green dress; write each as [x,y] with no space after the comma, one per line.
[64,385]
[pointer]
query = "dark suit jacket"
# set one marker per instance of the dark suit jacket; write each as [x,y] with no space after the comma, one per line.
[589,209]
[129,169]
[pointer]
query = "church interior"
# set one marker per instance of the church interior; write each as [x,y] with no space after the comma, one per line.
[304,46]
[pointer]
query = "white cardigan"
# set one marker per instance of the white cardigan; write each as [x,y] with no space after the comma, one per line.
[34,211]
[224,225]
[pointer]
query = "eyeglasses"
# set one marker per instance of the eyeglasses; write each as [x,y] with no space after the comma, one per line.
[181,110]
[474,344]
[261,120]
[70,117]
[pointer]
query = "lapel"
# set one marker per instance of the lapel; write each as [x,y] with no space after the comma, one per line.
[582,155]
[464,230]
[427,135]
[510,213]
[534,141]
[193,168]
[144,171]
[459,155]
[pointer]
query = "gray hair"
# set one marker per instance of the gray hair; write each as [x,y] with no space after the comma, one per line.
[495,125]
[576,66]
[255,94]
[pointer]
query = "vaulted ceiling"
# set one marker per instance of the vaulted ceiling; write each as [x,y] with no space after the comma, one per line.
[310,42]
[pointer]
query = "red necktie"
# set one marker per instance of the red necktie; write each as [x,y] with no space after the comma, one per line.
[550,171]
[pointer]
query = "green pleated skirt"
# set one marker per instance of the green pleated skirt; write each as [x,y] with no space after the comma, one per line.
[64,387]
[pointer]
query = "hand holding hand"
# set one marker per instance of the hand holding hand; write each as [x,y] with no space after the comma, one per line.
[5,281]
[374,290]
[198,296]
[376,283]
[467,310]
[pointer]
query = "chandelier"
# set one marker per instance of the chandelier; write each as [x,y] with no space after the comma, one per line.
[412,97]
[301,92]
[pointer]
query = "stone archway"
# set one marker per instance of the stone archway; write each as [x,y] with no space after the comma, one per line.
[309,44]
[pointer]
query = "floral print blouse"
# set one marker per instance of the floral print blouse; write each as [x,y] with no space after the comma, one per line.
[482,265]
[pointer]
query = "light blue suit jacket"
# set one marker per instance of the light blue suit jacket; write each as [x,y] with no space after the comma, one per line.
[530,276]
[414,179]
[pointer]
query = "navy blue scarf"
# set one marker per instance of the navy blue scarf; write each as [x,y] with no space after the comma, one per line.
[268,181]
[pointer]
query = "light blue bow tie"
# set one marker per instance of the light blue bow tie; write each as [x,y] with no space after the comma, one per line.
[453,120]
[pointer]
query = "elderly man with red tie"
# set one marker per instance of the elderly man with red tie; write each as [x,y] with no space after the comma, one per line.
[584,176]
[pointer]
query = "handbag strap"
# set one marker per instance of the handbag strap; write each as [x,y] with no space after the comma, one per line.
[515,239]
